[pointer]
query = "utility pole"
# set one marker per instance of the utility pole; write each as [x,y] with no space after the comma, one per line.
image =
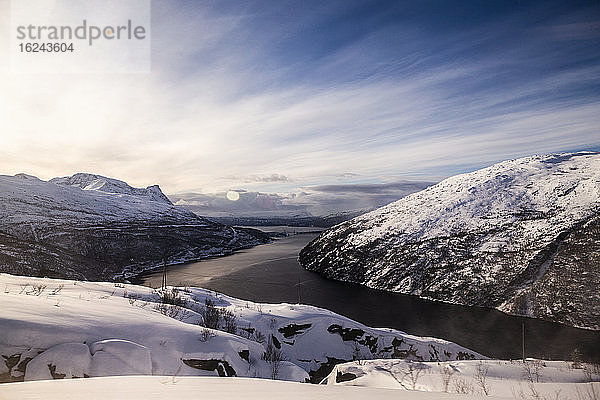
[298,289]
[164,276]
[523,338]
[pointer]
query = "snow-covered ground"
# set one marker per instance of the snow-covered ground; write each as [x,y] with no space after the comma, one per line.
[63,328]
[162,388]
[532,379]
[115,333]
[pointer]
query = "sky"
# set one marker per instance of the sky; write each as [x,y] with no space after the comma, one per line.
[334,100]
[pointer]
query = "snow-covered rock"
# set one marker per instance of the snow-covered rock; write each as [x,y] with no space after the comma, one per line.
[61,328]
[119,357]
[522,236]
[91,227]
[66,360]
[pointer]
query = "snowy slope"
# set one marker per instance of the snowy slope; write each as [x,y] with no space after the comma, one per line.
[109,185]
[61,328]
[91,227]
[165,387]
[484,238]
[532,379]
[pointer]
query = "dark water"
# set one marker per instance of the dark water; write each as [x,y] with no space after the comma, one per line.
[270,273]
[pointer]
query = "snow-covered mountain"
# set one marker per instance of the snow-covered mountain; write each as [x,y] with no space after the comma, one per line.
[91,227]
[522,236]
[109,185]
[63,329]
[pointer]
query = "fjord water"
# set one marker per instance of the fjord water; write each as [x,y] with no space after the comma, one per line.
[270,273]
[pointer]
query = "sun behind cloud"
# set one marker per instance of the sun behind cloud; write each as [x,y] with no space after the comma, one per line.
[232,195]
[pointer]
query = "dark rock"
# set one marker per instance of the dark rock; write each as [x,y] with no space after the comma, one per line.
[245,355]
[345,377]
[293,329]
[276,342]
[221,367]
[316,376]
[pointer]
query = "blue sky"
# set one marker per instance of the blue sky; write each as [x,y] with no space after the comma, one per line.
[289,96]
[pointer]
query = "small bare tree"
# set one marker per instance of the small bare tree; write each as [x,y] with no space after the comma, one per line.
[481,374]
[447,372]
[406,376]
[589,393]
[210,315]
[357,354]
[229,320]
[589,370]
[463,387]
[206,335]
[532,370]
[274,357]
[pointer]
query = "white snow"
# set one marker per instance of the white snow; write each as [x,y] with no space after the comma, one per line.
[568,184]
[168,387]
[60,328]
[98,329]
[27,203]
[532,379]
[453,241]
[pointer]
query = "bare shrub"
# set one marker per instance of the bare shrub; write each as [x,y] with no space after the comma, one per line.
[406,376]
[575,357]
[132,298]
[272,323]
[534,394]
[357,353]
[447,373]
[57,289]
[463,386]
[169,310]
[589,393]
[260,338]
[211,315]
[206,335]
[481,374]
[532,370]
[590,370]
[229,321]
[35,290]
[274,357]
[171,296]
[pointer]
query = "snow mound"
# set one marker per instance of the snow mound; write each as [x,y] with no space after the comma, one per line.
[67,360]
[119,357]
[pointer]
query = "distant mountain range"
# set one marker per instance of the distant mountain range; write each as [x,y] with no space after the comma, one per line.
[91,227]
[325,221]
[522,236]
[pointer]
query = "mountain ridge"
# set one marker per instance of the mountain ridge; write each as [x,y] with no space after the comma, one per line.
[87,181]
[483,238]
[91,227]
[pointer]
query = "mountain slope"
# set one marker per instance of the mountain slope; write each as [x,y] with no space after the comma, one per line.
[109,185]
[511,236]
[91,227]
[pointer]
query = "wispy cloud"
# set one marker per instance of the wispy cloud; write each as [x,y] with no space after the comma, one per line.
[322,98]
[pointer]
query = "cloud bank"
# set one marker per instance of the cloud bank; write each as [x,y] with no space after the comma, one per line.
[309,201]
